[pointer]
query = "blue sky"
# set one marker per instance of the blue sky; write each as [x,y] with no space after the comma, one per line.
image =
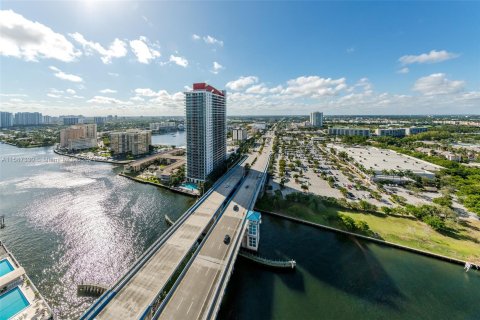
[136,58]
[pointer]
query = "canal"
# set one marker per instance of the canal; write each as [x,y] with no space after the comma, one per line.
[342,277]
[71,221]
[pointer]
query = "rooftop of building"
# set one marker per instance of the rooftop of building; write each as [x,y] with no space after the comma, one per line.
[254,216]
[383,159]
[204,86]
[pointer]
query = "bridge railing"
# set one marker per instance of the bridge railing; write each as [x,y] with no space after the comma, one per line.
[216,217]
[213,308]
[101,302]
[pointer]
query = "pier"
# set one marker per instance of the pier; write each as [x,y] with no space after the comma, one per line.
[282,264]
[90,289]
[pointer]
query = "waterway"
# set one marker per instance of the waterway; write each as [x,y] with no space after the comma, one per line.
[177,138]
[342,277]
[71,221]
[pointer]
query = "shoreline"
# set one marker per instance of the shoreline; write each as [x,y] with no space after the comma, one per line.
[173,189]
[378,241]
[27,147]
[95,160]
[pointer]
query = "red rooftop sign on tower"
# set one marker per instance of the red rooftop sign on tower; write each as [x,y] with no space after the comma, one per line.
[207,87]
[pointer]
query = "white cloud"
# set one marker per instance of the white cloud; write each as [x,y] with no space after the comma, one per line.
[71,91]
[314,86]
[147,92]
[150,99]
[22,38]
[363,85]
[113,74]
[242,83]
[216,67]
[263,89]
[438,83]
[52,95]
[258,89]
[431,57]
[211,40]
[142,51]
[108,91]
[179,61]
[65,76]
[12,95]
[55,91]
[208,39]
[137,98]
[404,70]
[117,48]
[104,100]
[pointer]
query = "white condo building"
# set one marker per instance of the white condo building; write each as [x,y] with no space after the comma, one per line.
[316,119]
[239,134]
[205,124]
[6,119]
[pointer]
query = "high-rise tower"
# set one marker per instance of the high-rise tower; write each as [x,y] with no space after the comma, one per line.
[206,116]
[316,119]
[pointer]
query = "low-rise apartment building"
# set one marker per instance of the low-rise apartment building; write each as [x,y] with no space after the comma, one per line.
[349,132]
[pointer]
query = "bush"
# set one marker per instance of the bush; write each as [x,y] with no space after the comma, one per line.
[348,222]
[367,206]
[435,222]
[445,201]
[387,210]
[362,226]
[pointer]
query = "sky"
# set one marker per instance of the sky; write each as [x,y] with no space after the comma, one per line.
[273,58]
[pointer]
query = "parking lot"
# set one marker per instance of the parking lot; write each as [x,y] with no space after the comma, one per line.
[316,173]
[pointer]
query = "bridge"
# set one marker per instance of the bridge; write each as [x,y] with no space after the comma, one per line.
[198,292]
[166,277]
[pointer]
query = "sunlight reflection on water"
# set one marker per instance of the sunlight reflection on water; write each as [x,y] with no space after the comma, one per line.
[70,223]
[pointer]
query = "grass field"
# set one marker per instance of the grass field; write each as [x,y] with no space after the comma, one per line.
[462,242]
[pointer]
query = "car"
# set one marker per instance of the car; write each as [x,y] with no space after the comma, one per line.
[226,240]
[235,208]
[246,187]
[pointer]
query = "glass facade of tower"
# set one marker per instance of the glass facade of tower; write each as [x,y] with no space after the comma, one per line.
[316,119]
[205,109]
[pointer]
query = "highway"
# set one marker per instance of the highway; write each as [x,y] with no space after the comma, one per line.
[200,291]
[143,288]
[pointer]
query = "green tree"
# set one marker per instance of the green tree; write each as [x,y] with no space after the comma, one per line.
[362,226]
[348,222]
